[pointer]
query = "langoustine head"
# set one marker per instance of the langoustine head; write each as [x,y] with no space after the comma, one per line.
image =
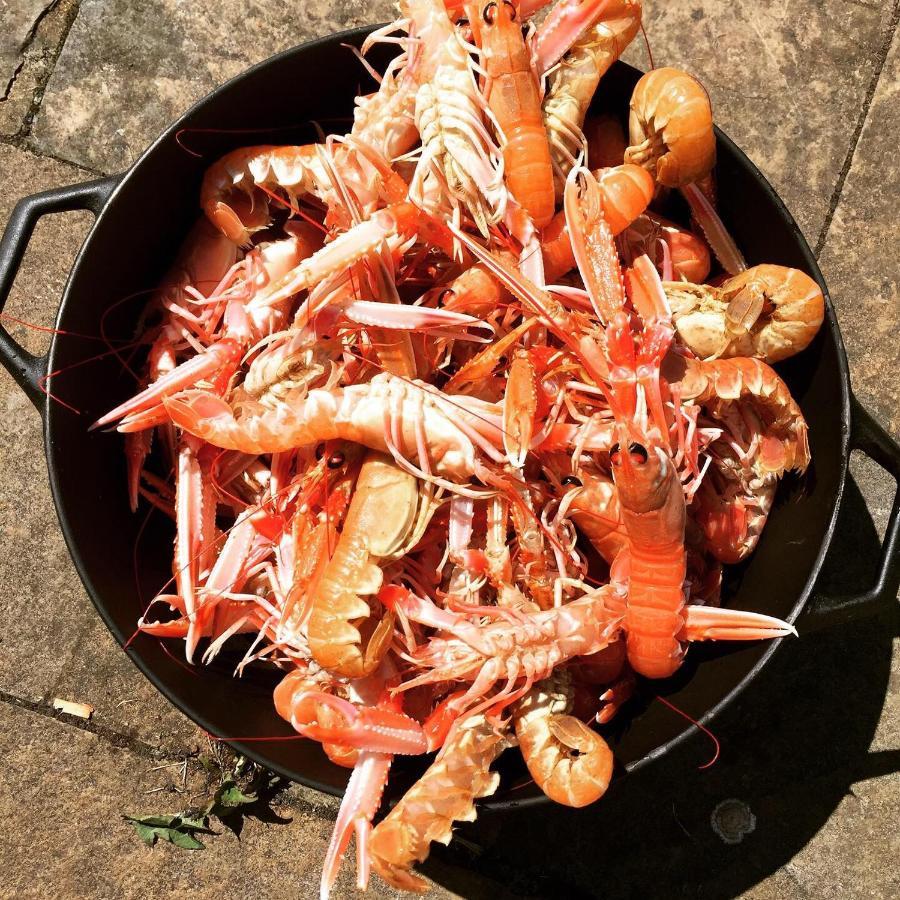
[643,475]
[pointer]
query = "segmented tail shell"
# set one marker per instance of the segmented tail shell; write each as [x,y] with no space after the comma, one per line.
[569,762]
[443,795]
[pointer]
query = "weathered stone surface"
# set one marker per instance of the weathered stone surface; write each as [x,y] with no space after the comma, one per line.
[65,836]
[98,672]
[825,868]
[787,82]
[36,46]
[859,258]
[130,67]
[66,797]
[42,606]
[781,885]
[811,749]
[18,18]
[862,270]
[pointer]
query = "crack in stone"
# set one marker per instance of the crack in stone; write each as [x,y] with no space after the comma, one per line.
[12,81]
[865,4]
[46,154]
[154,754]
[790,870]
[142,749]
[52,54]
[880,61]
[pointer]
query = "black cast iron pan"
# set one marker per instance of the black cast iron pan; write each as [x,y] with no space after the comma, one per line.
[142,216]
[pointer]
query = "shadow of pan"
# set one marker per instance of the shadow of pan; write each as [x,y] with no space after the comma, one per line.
[791,748]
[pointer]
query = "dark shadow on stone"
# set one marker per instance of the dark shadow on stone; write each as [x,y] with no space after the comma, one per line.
[792,746]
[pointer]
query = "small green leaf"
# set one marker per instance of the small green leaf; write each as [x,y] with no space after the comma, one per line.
[146,834]
[182,839]
[196,824]
[231,796]
[176,829]
[155,821]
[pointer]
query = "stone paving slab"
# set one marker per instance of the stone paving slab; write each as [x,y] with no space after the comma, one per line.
[19,18]
[42,605]
[31,33]
[861,266]
[98,672]
[65,837]
[787,81]
[858,822]
[65,801]
[860,260]
[130,67]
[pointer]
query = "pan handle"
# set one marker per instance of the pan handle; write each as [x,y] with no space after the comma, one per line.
[825,610]
[26,368]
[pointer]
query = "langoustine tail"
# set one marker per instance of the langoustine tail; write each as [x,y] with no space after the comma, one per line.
[445,794]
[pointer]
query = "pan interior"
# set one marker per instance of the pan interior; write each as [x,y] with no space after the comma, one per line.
[126,254]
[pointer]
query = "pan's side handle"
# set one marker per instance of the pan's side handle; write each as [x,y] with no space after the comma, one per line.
[24,367]
[825,610]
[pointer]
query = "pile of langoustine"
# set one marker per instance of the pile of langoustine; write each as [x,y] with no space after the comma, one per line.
[456,422]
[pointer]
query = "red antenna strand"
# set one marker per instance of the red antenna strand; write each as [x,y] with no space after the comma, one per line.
[699,725]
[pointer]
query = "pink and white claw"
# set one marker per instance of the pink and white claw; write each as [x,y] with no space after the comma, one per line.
[710,623]
[188,531]
[721,241]
[372,728]
[564,24]
[394,225]
[223,354]
[361,800]
[416,318]
[137,446]
[225,575]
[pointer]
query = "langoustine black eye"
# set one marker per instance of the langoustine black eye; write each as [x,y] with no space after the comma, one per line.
[638,450]
[634,449]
